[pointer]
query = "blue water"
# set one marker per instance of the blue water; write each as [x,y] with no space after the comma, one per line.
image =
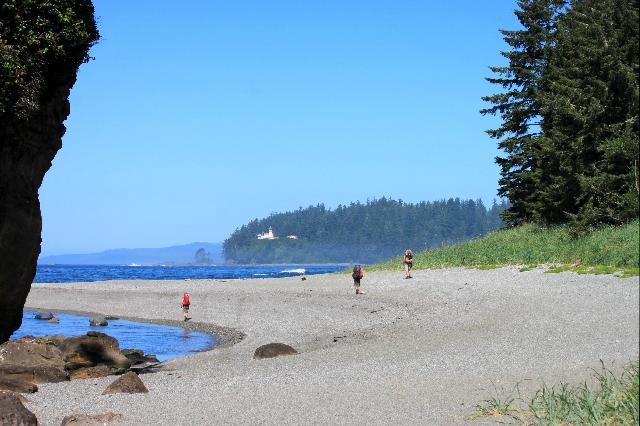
[83,273]
[165,342]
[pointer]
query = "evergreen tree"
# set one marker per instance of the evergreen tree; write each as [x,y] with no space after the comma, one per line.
[361,232]
[589,100]
[519,105]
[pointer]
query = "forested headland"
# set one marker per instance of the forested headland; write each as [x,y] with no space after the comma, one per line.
[361,232]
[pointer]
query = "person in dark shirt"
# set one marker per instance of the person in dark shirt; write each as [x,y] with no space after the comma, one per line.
[357,275]
[408,263]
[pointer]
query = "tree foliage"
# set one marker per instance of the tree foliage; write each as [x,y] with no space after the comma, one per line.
[40,39]
[570,113]
[361,232]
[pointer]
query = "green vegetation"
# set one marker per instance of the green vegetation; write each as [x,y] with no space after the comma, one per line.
[361,233]
[609,249]
[569,109]
[596,270]
[40,42]
[612,401]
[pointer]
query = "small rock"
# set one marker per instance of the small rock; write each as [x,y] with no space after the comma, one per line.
[303,279]
[98,322]
[272,350]
[16,385]
[85,419]
[118,371]
[56,339]
[54,320]
[136,356]
[127,383]
[21,397]
[90,372]
[75,360]
[111,318]
[151,358]
[13,412]
[43,316]
[38,374]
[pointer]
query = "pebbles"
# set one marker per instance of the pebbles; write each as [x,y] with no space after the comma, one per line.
[426,355]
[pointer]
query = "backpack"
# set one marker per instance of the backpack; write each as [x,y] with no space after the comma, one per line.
[357,272]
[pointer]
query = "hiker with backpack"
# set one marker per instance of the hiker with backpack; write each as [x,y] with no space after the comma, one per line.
[185,306]
[357,275]
[408,263]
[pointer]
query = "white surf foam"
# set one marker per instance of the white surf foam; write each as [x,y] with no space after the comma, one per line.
[294,271]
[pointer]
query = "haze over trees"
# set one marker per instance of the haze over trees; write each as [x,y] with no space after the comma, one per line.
[361,232]
[569,110]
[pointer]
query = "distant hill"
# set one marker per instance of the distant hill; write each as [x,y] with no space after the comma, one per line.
[210,253]
[361,233]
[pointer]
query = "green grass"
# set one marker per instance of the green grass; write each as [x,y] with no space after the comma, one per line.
[614,249]
[611,400]
[595,270]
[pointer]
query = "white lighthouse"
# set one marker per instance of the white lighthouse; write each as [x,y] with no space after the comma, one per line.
[266,235]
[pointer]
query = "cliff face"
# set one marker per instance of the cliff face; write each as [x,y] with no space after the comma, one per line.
[26,151]
[36,76]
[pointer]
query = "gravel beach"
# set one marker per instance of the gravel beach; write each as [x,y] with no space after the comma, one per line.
[420,351]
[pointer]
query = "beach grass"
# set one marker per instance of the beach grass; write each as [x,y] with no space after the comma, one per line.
[606,250]
[610,400]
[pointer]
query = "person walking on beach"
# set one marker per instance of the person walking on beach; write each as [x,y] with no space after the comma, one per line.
[408,263]
[357,275]
[185,306]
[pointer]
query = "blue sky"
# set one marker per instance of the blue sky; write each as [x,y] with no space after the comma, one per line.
[196,117]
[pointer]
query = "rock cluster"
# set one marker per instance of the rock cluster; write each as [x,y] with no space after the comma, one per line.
[33,360]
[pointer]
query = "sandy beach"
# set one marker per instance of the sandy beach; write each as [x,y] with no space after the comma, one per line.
[420,351]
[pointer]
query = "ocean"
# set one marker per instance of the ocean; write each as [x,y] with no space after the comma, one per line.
[85,273]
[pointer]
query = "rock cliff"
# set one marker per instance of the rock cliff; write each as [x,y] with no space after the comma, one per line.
[42,45]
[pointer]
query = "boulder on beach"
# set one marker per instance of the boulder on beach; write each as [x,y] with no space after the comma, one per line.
[43,316]
[98,348]
[52,359]
[13,412]
[272,350]
[127,383]
[98,321]
[33,374]
[17,385]
[86,419]
[33,360]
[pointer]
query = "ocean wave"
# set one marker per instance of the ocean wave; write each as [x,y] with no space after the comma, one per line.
[294,271]
[260,275]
